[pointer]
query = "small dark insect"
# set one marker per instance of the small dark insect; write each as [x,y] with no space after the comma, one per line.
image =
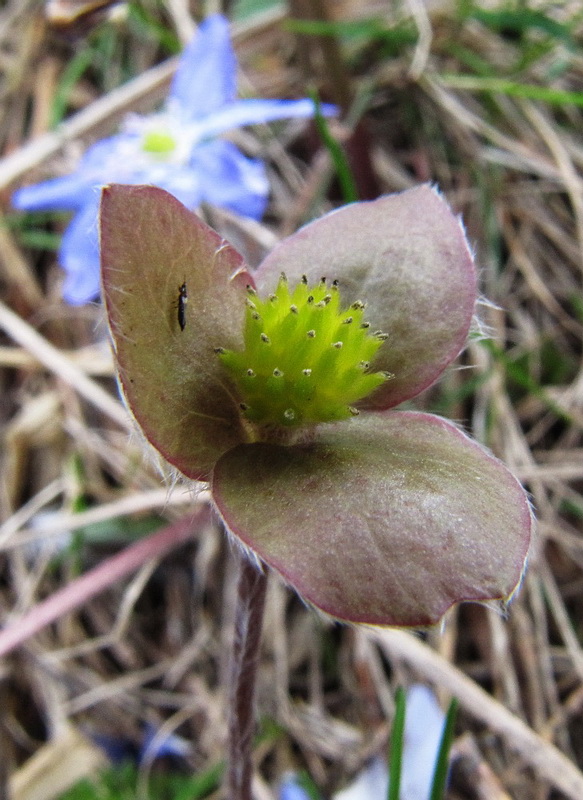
[181,305]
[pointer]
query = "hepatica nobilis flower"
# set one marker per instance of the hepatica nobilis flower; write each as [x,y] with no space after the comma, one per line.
[278,387]
[176,149]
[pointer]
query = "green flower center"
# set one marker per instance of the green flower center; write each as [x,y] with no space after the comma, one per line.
[305,359]
[159,143]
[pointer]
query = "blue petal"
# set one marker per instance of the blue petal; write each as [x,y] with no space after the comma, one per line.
[206,76]
[290,789]
[68,193]
[154,747]
[371,783]
[116,749]
[79,255]
[72,192]
[116,159]
[183,182]
[251,112]
[230,179]
[98,157]
[424,721]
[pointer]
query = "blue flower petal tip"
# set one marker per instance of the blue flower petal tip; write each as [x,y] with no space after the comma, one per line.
[291,789]
[424,721]
[371,783]
[156,746]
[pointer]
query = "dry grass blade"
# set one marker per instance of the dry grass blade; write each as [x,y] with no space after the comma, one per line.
[484,102]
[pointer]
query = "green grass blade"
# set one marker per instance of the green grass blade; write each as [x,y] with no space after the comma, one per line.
[474,83]
[442,763]
[523,20]
[522,378]
[72,74]
[148,26]
[337,154]
[200,785]
[396,751]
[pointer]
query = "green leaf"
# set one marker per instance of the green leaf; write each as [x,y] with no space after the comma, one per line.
[407,258]
[547,94]
[165,342]
[442,763]
[386,519]
[397,742]
[521,20]
[337,154]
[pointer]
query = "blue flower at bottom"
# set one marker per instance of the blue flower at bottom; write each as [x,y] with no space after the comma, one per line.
[176,149]
[424,723]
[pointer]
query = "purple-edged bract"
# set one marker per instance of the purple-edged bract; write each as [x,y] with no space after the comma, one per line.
[380,515]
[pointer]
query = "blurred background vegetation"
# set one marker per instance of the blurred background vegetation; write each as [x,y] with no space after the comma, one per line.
[484,99]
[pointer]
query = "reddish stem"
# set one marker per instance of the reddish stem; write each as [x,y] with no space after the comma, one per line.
[248,622]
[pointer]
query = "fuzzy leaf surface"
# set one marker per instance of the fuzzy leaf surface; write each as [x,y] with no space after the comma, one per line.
[387,519]
[172,379]
[406,256]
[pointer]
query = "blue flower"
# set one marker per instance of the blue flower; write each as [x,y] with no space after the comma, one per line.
[424,723]
[176,149]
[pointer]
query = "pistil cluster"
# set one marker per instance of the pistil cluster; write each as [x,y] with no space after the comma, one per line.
[305,359]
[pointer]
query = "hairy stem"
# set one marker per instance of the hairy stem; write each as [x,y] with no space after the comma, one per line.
[248,621]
